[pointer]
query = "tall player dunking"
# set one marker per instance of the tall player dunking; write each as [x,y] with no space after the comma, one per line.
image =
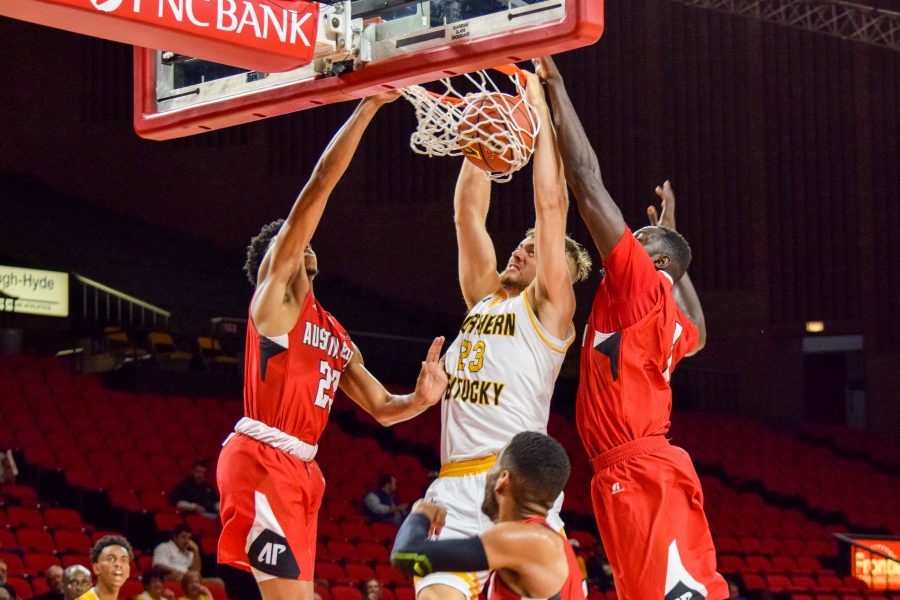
[504,363]
[646,317]
[297,356]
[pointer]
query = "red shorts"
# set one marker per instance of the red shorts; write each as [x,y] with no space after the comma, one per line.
[649,509]
[270,504]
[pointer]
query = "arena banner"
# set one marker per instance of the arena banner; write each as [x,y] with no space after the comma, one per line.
[252,34]
[34,292]
[879,572]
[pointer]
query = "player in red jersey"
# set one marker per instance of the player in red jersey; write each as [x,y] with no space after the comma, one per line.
[528,557]
[297,355]
[645,318]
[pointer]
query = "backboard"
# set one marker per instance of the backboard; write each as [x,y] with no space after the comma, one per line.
[361,47]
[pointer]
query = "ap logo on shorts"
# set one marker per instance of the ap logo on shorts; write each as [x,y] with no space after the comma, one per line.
[271,554]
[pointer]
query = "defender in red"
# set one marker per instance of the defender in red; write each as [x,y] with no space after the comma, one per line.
[645,318]
[297,356]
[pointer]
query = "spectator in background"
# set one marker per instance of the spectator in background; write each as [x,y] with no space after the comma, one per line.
[599,572]
[154,581]
[4,594]
[111,558]
[734,592]
[193,588]
[372,590]
[177,556]
[195,494]
[76,581]
[54,578]
[8,472]
[381,503]
[10,590]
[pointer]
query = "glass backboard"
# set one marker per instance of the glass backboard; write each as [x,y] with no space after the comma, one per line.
[361,47]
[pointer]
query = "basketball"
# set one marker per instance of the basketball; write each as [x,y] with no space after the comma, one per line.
[494,130]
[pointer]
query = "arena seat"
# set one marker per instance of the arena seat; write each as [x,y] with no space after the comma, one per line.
[70,559]
[359,572]
[63,518]
[373,552]
[405,593]
[38,562]
[345,592]
[14,564]
[35,540]
[22,587]
[329,570]
[167,521]
[72,541]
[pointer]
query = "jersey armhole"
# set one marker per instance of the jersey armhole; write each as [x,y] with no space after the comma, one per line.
[554,343]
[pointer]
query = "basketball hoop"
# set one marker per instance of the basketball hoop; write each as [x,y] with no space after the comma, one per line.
[505,125]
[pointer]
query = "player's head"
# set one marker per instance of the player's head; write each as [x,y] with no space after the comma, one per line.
[531,471]
[76,581]
[522,266]
[668,249]
[260,244]
[111,557]
[154,581]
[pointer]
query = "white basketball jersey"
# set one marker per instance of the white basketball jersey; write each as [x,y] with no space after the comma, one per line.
[502,368]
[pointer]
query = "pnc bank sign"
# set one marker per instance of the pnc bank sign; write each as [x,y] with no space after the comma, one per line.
[254,34]
[241,17]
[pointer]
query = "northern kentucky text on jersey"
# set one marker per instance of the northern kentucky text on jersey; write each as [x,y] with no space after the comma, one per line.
[474,391]
[320,338]
[502,324]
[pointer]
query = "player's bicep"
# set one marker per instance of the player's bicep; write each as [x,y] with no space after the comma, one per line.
[478,275]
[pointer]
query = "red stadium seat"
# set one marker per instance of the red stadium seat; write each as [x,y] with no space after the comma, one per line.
[63,518]
[36,540]
[753,582]
[72,541]
[385,532]
[39,585]
[20,516]
[359,572]
[345,592]
[731,563]
[216,588]
[166,521]
[329,530]
[341,550]
[14,564]
[405,593]
[209,544]
[131,588]
[374,552]
[756,562]
[779,583]
[784,563]
[76,559]
[357,530]
[387,574]
[330,571]
[22,587]
[201,525]
[7,539]
[38,562]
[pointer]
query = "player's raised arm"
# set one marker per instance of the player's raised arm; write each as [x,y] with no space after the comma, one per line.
[478,275]
[363,388]
[499,547]
[600,213]
[552,293]
[685,295]
[276,303]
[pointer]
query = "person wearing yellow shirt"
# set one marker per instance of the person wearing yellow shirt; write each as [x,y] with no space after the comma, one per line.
[111,557]
[193,588]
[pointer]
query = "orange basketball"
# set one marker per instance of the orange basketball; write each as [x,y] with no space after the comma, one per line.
[485,136]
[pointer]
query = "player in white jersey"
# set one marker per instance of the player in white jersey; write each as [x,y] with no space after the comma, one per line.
[503,365]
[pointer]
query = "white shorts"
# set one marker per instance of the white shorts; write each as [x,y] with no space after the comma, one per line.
[463,496]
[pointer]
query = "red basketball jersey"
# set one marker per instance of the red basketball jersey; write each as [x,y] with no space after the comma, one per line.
[573,588]
[634,337]
[290,383]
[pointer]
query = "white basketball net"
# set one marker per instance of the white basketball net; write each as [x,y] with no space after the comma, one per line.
[490,121]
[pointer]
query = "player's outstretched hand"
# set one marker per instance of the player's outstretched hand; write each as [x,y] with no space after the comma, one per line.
[546,69]
[432,379]
[436,513]
[666,218]
[384,97]
[533,90]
